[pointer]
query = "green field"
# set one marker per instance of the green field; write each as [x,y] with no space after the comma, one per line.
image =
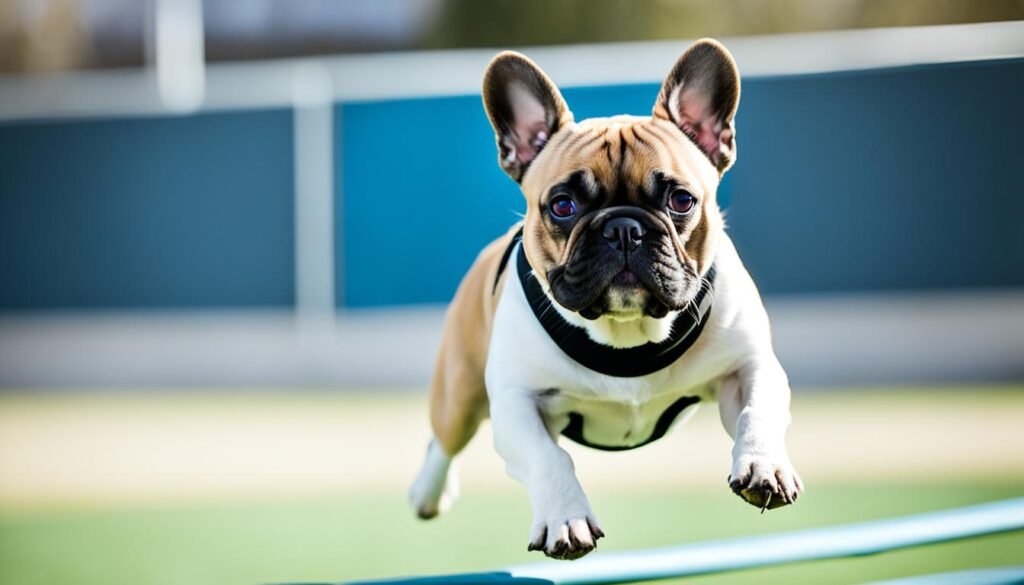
[225,488]
[374,535]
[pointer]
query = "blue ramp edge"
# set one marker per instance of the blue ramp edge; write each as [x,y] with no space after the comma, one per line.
[831,542]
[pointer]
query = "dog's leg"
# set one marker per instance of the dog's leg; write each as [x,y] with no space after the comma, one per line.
[455,418]
[437,485]
[564,527]
[754,406]
[458,403]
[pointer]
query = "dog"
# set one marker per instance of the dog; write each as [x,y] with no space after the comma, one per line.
[614,308]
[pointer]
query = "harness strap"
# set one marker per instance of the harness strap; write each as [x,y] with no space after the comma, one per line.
[623,363]
[504,258]
[574,430]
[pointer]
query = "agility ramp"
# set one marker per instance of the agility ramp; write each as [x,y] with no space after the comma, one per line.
[721,556]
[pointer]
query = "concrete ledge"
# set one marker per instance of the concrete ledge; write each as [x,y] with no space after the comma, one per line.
[830,340]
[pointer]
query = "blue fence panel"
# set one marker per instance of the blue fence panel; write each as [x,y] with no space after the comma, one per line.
[905,178]
[192,211]
[422,194]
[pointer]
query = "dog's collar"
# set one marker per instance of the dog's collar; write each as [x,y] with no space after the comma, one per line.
[623,363]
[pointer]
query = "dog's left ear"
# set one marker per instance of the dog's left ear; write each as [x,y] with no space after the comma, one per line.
[700,96]
[525,108]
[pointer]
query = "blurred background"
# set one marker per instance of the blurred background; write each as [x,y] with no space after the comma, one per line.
[228,231]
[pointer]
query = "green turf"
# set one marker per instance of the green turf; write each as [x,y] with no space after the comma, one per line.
[374,535]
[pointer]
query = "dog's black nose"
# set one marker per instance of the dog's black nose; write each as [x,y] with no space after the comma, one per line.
[623,233]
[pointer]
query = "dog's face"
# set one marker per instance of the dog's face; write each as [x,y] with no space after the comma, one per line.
[621,215]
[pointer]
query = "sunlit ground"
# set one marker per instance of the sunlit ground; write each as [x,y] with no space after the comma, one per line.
[190,488]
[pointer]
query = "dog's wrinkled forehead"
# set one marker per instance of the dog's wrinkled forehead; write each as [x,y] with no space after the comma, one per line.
[618,161]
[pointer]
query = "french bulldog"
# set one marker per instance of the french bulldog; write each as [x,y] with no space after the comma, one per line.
[614,308]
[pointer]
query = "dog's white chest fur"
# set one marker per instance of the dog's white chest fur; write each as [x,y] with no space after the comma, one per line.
[618,411]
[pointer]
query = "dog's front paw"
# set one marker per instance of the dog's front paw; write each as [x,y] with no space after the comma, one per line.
[765,482]
[566,539]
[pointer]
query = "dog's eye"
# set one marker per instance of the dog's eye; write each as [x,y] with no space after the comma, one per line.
[562,207]
[680,201]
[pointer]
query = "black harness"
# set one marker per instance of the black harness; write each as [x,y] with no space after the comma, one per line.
[622,363]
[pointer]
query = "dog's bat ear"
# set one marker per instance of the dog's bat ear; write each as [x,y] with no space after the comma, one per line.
[700,96]
[525,109]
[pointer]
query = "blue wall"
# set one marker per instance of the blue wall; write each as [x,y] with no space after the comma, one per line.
[147,212]
[891,179]
[881,180]
[422,194]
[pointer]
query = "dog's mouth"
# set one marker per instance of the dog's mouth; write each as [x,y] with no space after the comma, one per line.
[627,279]
[625,299]
[623,264]
[621,292]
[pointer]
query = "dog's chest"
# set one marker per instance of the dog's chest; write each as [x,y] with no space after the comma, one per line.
[618,420]
[596,409]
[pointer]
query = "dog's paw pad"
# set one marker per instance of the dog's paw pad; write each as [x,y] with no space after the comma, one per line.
[566,540]
[766,483]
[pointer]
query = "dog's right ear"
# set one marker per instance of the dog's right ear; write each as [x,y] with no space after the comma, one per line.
[700,96]
[525,109]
